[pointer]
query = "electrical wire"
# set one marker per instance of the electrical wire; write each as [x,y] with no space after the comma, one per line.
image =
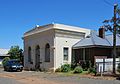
[108,3]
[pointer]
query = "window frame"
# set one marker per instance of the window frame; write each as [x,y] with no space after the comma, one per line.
[65,53]
[47,52]
[30,55]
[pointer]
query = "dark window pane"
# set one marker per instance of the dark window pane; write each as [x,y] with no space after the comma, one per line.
[47,53]
[29,54]
[65,54]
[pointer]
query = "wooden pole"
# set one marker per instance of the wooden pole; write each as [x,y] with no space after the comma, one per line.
[114,40]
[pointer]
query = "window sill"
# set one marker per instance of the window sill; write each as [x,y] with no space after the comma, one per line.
[65,61]
[47,61]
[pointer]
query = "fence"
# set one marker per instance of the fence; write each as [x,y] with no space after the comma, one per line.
[106,64]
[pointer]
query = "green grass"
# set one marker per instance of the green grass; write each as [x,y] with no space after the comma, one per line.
[84,72]
[71,73]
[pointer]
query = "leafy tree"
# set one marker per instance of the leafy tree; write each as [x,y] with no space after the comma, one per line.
[15,52]
[5,60]
[109,23]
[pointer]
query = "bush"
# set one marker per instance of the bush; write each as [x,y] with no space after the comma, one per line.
[85,65]
[65,68]
[73,65]
[5,60]
[118,68]
[58,70]
[92,70]
[88,64]
[78,69]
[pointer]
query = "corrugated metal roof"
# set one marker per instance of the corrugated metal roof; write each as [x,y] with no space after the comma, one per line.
[4,52]
[110,39]
[95,40]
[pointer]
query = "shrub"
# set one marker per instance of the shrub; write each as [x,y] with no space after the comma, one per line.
[88,64]
[92,70]
[5,60]
[118,67]
[73,65]
[78,69]
[58,70]
[83,64]
[65,68]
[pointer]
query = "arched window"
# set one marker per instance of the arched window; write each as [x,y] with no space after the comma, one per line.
[37,57]
[29,54]
[47,53]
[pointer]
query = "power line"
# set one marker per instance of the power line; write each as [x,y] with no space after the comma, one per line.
[108,3]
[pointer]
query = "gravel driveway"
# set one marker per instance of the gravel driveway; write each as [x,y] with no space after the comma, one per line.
[4,80]
[31,77]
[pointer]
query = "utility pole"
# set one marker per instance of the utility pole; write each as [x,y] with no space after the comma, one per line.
[114,40]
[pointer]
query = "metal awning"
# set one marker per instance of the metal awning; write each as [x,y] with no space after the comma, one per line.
[95,41]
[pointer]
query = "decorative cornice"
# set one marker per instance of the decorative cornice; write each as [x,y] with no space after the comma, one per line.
[55,26]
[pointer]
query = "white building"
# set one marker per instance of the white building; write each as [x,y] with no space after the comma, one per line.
[3,54]
[50,46]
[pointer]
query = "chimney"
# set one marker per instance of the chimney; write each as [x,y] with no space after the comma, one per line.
[102,32]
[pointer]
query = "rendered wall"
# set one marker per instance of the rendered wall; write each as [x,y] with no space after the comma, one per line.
[40,39]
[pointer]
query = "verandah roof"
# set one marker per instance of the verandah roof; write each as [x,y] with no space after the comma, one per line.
[95,41]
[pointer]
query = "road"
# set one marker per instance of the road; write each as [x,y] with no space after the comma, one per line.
[31,77]
[4,80]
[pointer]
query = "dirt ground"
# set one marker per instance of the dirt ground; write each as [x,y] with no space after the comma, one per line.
[28,79]
[31,77]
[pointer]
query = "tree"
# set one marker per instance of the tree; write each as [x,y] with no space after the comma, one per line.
[113,25]
[5,60]
[114,21]
[15,52]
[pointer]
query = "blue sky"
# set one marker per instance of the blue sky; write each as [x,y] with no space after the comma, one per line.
[19,16]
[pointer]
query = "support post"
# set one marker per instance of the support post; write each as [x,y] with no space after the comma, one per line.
[114,40]
[84,54]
